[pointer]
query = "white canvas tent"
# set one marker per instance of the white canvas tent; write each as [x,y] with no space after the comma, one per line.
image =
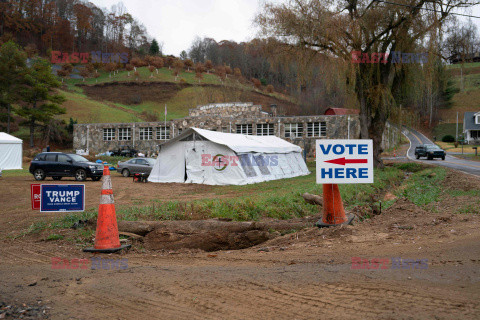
[10,152]
[216,158]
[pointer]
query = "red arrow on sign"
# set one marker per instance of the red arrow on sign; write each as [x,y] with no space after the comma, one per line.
[343,161]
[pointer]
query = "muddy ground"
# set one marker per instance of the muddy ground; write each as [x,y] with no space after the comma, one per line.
[302,275]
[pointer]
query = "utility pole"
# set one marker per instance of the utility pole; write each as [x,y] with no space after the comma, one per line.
[456,137]
[348,128]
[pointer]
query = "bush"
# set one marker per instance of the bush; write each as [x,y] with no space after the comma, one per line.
[135,99]
[448,138]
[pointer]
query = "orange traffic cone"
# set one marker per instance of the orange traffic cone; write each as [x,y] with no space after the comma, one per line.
[333,211]
[106,238]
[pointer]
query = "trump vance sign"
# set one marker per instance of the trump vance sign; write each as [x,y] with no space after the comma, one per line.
[344,161]
[62,197]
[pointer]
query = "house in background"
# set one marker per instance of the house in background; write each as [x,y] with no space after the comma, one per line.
[471,126]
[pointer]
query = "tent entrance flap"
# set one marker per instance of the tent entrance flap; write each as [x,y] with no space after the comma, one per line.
[195,172]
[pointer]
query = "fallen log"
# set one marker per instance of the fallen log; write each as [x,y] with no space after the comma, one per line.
[313,199]
[131,235]
[210,235]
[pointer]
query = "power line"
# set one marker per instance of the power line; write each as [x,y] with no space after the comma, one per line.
[428,9]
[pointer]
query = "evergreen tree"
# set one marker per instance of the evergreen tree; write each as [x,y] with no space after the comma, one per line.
[154,48]
[12,71]
[40,103]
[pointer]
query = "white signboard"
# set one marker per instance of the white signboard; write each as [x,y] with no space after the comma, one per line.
[344,161]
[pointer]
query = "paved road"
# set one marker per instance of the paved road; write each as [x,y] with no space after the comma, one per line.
[416,138]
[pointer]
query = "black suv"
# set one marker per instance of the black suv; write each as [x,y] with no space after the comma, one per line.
[430,151]
[58,165]
[124,151]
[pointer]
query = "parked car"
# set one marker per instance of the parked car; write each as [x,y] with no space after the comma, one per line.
[124,151]
[135,165]
[430,151]
[58,165]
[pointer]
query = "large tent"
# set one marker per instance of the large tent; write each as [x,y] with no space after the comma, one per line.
[10,152]
[216,158]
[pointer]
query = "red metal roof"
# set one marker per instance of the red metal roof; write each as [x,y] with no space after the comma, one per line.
[341,111]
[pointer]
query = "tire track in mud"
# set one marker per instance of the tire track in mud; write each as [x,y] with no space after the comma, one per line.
[129,304]
[353,301]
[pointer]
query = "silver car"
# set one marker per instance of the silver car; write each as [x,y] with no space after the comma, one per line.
[135,165]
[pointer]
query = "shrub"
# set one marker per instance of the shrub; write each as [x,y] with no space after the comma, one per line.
[270,88]
[136,99]
[448,138]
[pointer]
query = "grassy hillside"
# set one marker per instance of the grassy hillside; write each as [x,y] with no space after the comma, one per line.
[117,104]
[469,98]
[87,110]
[164,74]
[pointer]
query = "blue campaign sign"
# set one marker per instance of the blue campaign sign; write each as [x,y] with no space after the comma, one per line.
[62,197]
[344,161]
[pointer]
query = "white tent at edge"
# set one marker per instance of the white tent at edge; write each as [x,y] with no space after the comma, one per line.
[188,158]
[11,152]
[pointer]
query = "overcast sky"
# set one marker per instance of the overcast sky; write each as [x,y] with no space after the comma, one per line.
[177,22]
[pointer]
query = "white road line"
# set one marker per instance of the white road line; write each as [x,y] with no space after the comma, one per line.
[420,161]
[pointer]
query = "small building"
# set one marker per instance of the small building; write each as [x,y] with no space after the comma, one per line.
[471,127]
[340,111]
[236,117]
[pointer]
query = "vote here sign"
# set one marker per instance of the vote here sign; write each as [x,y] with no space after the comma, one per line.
[62,197]
[344,161]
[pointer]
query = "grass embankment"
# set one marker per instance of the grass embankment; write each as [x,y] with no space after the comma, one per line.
[450,147]
[424,186]
[280,199]
[16,173]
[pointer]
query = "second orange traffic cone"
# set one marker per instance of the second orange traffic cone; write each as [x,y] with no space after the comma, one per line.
[333,211]
[107,239]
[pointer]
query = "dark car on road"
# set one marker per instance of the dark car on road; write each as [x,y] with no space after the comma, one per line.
[430,151]
[124,151]
[135,165]
[58,165]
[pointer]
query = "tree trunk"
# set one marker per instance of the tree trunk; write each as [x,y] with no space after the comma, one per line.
[32,131]
[209,235]
[8,117]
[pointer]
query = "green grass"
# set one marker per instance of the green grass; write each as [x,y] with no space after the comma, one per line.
[471,157]
[460,193]
[86,110]
[469,209]
[444,129]
[410,166]
[16,173]
[164,74]
[54,237]
[425,186]
[465,65]
[279,199]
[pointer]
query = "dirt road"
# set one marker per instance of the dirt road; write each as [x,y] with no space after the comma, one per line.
[302,275]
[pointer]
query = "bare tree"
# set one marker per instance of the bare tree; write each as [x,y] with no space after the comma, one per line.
[339,27]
